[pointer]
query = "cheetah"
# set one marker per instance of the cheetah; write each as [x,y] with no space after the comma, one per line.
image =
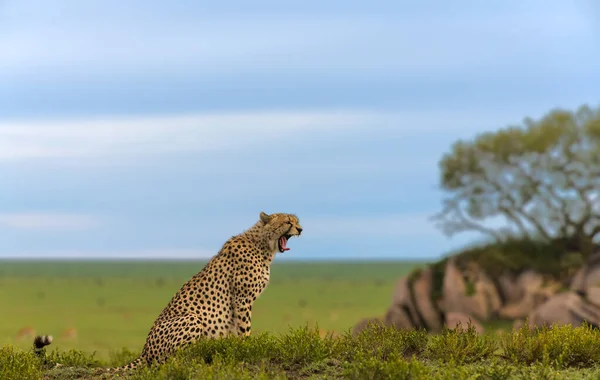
[217,301]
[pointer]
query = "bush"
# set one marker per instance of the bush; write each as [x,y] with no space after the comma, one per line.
[17,364]
[232,349]
[397,368]
[184,367]
[382,343]
[557,346]
[458,346]
[303,346]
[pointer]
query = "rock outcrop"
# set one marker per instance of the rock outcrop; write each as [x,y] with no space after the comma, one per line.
[482,302]
[403,299]
[422,287]
[565,308]
[468,293]
[588,275]
[530,285]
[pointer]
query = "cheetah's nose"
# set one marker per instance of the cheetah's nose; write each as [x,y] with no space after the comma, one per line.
[299,230]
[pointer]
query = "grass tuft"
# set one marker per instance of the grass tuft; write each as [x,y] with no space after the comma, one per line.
[461,346]
[18,364]
[557,346]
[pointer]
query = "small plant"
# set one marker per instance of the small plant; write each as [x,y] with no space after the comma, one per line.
[461,346]
[560,346]
[383,343]
[184,368]
[395,369]
[254,349]
[303,345]
[18,364]
[470,288]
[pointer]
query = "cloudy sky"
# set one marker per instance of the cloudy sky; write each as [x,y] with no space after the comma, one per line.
[161,128]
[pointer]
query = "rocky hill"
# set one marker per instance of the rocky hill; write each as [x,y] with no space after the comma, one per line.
[514,281]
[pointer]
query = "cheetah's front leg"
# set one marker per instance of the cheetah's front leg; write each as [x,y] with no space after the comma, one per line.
[242,316]
[246,286]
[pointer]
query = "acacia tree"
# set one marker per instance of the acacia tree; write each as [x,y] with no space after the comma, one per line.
[541,179]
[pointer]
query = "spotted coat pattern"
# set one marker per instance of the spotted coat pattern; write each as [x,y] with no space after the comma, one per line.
[217,301]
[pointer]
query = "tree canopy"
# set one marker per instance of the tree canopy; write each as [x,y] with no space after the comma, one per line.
[540,179]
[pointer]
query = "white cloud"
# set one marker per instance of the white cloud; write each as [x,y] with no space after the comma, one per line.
[211,44]
[134,135]
[47,221]
[170,254]
[120,137]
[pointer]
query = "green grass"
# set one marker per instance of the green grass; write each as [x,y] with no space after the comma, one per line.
[111,305]
[378,353]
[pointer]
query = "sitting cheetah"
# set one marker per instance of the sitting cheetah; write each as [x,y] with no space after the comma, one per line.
[217,301]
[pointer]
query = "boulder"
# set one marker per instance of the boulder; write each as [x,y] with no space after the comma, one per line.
[422,289]
[398,317]
[592,277]
[488,291]
[565,308]
[588,275]
[455,297]
[511,291]
[519,309]
[530,286]
[529,281]
[456,319]
[578,280]
[592,295]
[402,299]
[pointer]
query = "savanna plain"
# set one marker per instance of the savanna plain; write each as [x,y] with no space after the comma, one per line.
[100,312]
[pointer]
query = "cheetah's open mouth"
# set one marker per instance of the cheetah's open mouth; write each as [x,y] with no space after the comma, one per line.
[283,243]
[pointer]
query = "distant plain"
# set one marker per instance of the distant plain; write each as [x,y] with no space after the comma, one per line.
[104,306]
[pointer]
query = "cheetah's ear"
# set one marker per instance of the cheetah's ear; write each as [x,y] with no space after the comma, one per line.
[265,218]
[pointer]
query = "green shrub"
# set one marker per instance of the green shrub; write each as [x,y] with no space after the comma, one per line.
[18,364]
[383,343]
[184,368]
[253,349]
[302,346]
[461,346]
[558,346]
[397,368]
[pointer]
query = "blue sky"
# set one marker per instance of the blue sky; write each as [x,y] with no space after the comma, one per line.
[159,129]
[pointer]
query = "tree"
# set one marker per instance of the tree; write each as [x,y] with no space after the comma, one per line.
[541,179]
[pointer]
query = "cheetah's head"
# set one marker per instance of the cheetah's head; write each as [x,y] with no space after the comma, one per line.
[279,228]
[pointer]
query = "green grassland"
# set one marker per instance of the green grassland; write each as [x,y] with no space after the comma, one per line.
[105,306]
[111,305]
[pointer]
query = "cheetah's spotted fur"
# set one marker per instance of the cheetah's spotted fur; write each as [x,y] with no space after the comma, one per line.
[218,300]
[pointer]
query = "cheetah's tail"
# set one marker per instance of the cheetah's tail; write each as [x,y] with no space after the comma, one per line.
[39,342]
[139,362]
